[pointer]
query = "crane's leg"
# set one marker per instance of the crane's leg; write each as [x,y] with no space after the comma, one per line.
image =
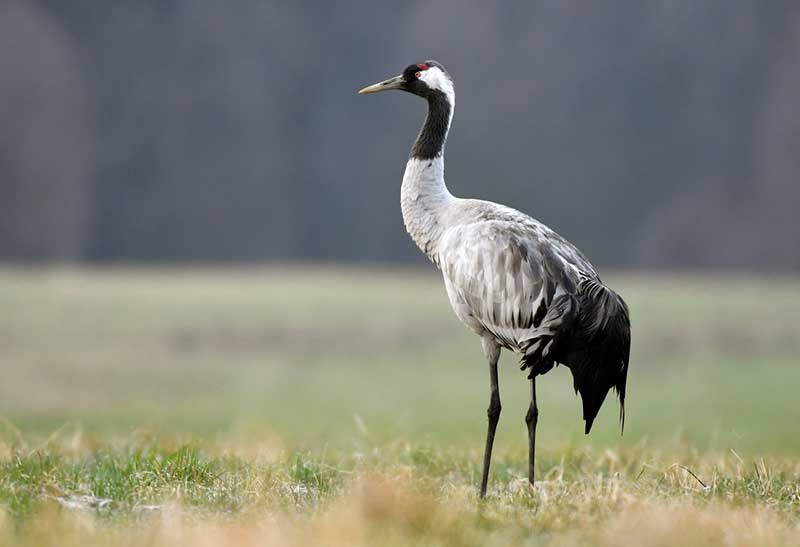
[531,418]
[493,353]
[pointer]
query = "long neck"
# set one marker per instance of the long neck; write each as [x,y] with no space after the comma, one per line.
[433,135]
[424,198]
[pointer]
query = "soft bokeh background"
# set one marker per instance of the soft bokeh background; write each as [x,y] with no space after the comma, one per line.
[658,134]
[350,358]
[200,227]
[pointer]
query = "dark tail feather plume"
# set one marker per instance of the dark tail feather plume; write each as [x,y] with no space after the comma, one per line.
[599,349]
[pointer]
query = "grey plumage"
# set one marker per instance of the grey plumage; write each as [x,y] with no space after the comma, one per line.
[512,280]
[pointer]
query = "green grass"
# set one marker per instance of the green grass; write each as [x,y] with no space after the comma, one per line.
[150,491]
[325,405]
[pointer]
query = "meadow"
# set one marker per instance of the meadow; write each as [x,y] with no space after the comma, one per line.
[327,405]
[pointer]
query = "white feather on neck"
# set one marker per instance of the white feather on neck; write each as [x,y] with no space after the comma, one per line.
[424,199]
[435,78]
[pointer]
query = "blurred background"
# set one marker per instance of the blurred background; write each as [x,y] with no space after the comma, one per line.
[662,134]
[162,161]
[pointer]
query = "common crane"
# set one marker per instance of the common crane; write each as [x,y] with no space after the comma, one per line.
[512,280]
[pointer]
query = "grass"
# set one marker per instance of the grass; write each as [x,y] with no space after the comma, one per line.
[302,406]
[149,491]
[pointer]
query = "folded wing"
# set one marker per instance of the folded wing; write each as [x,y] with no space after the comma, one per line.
[537,295]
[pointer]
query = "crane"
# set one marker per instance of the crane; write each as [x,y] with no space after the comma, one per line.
[513,281]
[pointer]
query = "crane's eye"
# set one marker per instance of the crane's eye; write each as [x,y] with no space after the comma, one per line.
[418,74]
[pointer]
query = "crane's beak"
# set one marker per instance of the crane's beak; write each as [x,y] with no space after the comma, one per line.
[391,83]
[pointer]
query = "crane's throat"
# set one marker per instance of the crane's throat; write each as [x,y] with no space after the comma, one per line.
[432,136]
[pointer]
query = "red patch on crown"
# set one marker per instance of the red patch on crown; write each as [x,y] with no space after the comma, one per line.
[422,66]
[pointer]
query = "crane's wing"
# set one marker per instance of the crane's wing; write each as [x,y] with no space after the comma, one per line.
[537,295]
[510,279]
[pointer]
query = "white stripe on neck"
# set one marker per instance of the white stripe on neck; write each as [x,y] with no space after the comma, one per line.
[435,78]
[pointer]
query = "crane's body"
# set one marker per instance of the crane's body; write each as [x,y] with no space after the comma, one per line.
[512,280]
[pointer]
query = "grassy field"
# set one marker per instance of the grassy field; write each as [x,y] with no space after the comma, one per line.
[330,406]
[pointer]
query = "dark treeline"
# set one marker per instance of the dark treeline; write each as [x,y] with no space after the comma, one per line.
[652,134]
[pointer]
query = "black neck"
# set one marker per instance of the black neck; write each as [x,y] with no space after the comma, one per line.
[430,141]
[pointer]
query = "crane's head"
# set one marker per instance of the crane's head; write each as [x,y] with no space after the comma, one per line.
[424,79]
